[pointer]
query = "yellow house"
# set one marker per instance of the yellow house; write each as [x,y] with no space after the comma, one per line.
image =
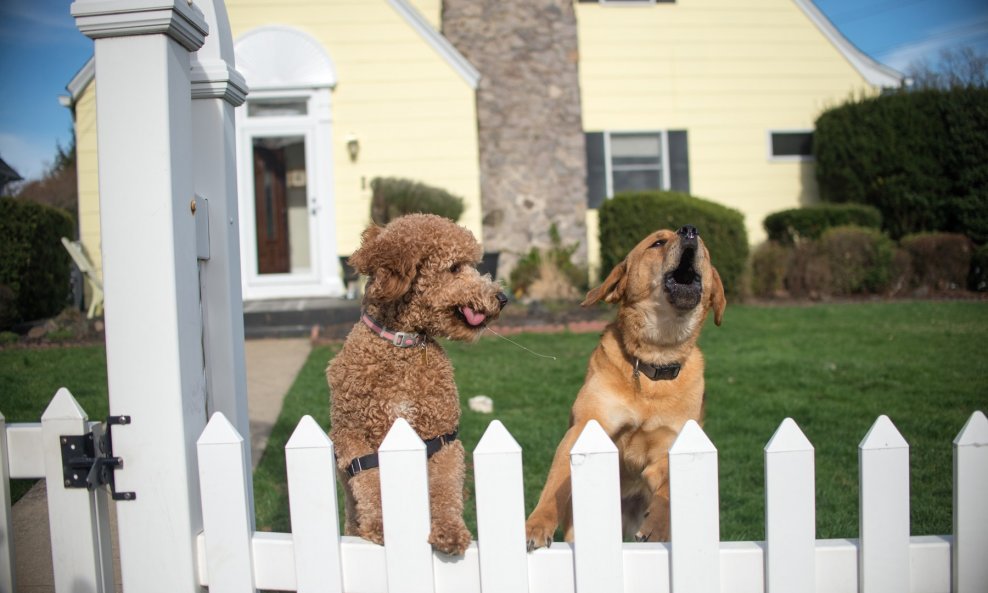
[715,97]
[340,93]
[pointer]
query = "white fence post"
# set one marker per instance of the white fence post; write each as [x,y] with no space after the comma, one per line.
[695,512]
[596,512]
[312,502]
[80,533]
[153,317]
[405,506]
[790,511]
[884,511]
[224,471]
[970,549]
[6,520]
[217,88]
[500,512]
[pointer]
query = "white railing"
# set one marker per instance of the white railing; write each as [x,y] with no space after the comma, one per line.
[315,558]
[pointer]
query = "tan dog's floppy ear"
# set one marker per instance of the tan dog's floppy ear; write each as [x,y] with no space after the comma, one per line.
[611,289]
[391,269]
[717,299]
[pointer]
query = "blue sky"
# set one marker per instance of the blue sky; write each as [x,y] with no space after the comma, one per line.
[41,50]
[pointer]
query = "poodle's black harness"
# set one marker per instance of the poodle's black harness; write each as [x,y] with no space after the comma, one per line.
[432,446]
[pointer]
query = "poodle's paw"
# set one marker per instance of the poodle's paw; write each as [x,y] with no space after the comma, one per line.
[453,540]
[538,534]
[372,534]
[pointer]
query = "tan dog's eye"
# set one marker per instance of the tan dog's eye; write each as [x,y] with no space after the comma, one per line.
[659,243]
[455,268]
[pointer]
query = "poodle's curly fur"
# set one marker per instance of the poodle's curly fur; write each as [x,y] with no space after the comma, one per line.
[423,279]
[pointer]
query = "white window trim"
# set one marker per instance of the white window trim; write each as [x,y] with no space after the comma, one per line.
[786,158]
[608,164]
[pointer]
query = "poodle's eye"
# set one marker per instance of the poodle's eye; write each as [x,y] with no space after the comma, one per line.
[659,243]
[455,268]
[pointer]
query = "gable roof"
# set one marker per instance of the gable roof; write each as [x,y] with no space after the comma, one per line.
[875,73]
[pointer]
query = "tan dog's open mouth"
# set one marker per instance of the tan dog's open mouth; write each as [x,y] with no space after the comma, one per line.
[684,284]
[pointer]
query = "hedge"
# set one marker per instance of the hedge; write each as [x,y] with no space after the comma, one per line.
[920,157]
[392,197]
[790,226]
[627,218]
[34,266]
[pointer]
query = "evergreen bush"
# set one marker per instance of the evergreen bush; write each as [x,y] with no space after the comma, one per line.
[920,157]
[939,261]
[628,218]
[392,197]
[790,226]
[34,266]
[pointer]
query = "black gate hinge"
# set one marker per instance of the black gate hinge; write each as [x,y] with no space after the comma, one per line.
[84,467]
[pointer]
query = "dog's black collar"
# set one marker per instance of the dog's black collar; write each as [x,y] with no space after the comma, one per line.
[370,461]
[666,372]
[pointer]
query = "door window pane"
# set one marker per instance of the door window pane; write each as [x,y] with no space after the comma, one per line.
[281,212]
[277,108]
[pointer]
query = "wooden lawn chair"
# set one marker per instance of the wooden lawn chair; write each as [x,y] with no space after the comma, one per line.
[89,272]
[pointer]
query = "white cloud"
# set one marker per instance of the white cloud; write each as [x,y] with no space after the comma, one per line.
[28,156]
[971,34]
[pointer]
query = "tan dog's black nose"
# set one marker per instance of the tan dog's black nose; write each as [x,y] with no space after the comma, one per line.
[502,299]
[689,233]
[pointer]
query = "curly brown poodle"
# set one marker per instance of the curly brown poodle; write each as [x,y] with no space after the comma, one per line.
[423,284]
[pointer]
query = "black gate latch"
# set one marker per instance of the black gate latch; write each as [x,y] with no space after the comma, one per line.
[82,467]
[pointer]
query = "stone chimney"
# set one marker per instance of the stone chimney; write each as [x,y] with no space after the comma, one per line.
[530,129]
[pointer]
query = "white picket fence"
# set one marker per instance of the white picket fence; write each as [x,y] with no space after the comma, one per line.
[233,557]
[315,558]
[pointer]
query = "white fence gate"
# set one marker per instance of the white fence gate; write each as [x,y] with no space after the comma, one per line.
[174,343]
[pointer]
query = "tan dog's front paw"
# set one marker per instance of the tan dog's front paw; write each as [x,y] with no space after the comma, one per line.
[453,540]
[538,534]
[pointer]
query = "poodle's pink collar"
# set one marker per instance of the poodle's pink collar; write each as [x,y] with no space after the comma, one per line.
[399,339]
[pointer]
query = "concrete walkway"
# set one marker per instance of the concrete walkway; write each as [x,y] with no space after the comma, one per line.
[272,366]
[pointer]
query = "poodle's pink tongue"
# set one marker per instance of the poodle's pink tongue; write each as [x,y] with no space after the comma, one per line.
[473,318]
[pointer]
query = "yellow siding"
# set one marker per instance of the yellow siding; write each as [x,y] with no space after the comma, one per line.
[88,177]
[413,114]
[728,73]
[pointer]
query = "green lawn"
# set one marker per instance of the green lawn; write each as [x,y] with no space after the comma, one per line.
[832,368]
[29,378]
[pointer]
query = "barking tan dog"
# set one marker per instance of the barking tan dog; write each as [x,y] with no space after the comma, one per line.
[423,285]
[644,381]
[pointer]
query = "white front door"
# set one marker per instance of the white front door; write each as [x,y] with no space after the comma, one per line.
[288,235]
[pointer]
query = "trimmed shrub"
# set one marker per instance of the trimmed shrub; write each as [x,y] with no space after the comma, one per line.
[860,260]
[628,218]
[920,157]
[34,265]
[939,261]
[392,197]
[809,272]
[769,266]
[791,226]
[978,279]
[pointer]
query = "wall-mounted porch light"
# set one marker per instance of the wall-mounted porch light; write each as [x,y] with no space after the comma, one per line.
[352,146]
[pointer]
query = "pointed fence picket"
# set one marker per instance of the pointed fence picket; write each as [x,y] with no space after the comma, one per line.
[694,512]
[970,507]
[312,499]
[500,511]
[790,511]
[596,511]
[224,474]
[233,557]
[883,460]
